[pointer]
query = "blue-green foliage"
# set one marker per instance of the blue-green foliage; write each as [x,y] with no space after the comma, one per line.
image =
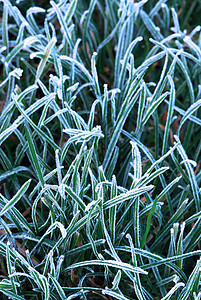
[100,150]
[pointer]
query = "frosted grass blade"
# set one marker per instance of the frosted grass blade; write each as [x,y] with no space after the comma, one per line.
[194,107]
[47,52]
[15,198]
[109,263]
[153,107]
[169,116]
[34,156]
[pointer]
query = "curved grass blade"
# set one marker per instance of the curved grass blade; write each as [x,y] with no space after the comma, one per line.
[15,198]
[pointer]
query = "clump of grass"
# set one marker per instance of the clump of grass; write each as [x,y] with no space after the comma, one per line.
[100,150]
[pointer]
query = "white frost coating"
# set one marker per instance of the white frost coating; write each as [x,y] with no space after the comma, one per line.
[30,40]
[62,258]
[139,4]
[90,205]
[176,279]
[173,29]
[173,119]
[17,90]
[187,39]
[140,38]
[160,203]
[192,45]
[16,73]
[194,31]
[128,236]
[60,47]
[133,144]
[151,84]
[83,17]
[35,10]
[25,23]
[73,87]
[176,225]
[185,202]
[171,292]
[61,189]
[169,38]
[54,79]
[3,49]
[182,226]
[56,82]
[192,162]
[198,297]
[100,256]
[54,39]
[34,54]
[100,168]
[62,229]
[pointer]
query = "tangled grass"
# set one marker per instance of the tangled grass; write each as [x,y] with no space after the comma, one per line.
[100,150]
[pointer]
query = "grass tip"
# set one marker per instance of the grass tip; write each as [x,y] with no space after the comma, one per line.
[187,39]
[176,226]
